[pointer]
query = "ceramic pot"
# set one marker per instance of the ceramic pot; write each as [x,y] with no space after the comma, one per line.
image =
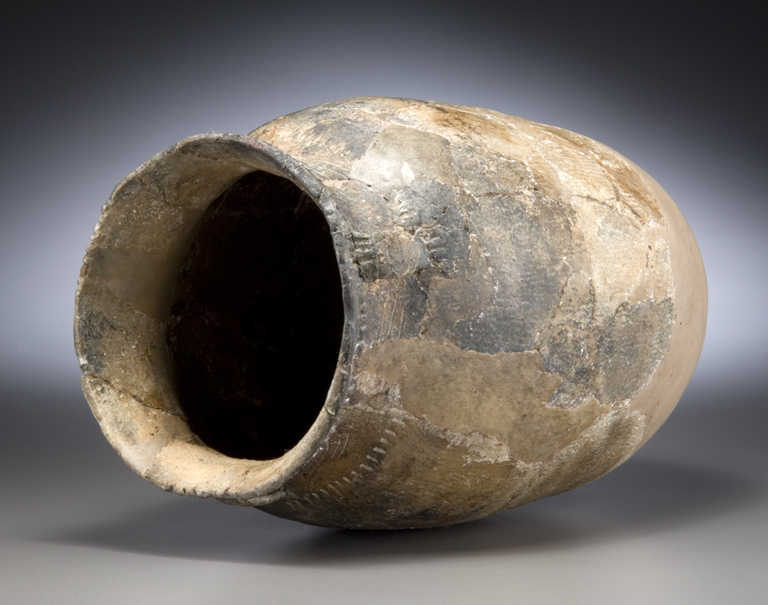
[387,313]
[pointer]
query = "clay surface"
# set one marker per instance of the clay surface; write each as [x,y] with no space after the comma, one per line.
[438,313]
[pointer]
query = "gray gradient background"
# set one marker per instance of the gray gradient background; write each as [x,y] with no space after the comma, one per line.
[91,90]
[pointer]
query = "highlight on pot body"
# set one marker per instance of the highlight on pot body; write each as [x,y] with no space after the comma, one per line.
[387,313]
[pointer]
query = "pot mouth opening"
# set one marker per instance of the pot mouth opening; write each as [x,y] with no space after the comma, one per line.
[212,319]
[257,318]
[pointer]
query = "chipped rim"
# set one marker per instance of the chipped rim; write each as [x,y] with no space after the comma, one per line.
[169,454]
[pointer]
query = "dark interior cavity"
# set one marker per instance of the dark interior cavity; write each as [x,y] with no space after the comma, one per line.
[257,319]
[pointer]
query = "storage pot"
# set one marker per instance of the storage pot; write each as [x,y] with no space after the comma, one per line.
[387,313]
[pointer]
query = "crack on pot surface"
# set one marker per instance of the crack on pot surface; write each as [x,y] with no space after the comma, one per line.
[257,319]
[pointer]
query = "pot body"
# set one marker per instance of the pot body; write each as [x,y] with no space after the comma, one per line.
[522,309]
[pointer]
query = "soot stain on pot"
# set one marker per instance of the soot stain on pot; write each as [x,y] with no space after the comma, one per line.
[93,327]
[632,345]
[349,138]
[535,254]
[530,261]
[421,204]
[448,240]
[398,307]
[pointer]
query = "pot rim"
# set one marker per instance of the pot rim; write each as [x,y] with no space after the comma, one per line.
[144,423]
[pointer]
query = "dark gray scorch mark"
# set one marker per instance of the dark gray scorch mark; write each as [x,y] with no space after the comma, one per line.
[346,137]
[448,241]
[529,270]
[422,203]
[632,345]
